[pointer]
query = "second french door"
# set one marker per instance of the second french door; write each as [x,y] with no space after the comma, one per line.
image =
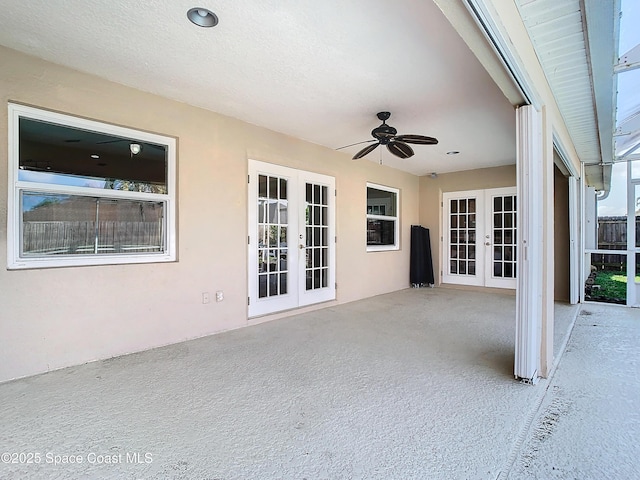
[291,238]
[479,241]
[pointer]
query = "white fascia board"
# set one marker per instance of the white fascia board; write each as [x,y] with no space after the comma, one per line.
[602,23]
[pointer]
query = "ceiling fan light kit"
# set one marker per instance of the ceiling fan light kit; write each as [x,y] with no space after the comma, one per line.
[135,148]
[396,144]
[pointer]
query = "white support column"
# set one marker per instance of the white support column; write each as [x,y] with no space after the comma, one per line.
[529,171]
[547,259]
[631,237]
[575,273]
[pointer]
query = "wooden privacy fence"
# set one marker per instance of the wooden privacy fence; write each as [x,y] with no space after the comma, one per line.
[612,235]
[74,238]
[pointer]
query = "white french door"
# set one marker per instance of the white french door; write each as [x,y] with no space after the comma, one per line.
[291,238]
[479,241]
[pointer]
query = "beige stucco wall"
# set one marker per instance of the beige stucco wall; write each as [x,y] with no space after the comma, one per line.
[51,318]
[431,190]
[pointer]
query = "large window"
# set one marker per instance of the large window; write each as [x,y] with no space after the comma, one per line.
[382,217]
[83,192]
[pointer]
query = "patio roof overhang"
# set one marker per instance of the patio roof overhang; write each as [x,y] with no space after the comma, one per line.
[576,42]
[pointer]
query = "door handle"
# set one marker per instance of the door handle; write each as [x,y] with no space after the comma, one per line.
[487,243]
[301,246]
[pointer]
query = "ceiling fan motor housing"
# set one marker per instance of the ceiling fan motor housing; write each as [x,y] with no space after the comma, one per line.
[384,133]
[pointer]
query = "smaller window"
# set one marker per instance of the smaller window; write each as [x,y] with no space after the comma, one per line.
[382,218]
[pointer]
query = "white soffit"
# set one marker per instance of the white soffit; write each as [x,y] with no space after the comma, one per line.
[557,32]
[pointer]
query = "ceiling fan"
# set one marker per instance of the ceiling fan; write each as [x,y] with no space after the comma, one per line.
[387,135]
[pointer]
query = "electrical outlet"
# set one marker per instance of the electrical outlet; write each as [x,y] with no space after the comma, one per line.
[219,296]
[205,297]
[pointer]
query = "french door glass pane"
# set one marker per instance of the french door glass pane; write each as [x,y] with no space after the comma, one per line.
[272,236]
[504,236]
[317,242]
[462,235]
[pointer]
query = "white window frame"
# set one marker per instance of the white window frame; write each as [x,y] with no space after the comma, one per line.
[395,218]
[15,186]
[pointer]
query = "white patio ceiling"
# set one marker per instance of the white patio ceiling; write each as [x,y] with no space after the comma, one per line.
[319,71]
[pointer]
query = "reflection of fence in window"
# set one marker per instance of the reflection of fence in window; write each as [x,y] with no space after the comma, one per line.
[82,237]
[56,224]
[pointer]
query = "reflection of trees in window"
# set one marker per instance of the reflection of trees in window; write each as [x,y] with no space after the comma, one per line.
[134,186]
[49,201]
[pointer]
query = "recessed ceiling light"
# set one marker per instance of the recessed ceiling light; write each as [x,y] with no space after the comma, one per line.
[202,17]
[453,152]
[95,156]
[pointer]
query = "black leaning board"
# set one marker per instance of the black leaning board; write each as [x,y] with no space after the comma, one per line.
[421,267]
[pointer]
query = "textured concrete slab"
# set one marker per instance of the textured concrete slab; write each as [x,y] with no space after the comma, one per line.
[588,426]
[412,385]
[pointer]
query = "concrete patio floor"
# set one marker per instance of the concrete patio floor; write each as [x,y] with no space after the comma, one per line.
[416,384]
[588,426]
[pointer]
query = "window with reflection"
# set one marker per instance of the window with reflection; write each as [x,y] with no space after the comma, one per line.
[85,192]
[382,218]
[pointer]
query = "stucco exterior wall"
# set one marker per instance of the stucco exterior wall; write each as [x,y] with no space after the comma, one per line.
[52,318]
